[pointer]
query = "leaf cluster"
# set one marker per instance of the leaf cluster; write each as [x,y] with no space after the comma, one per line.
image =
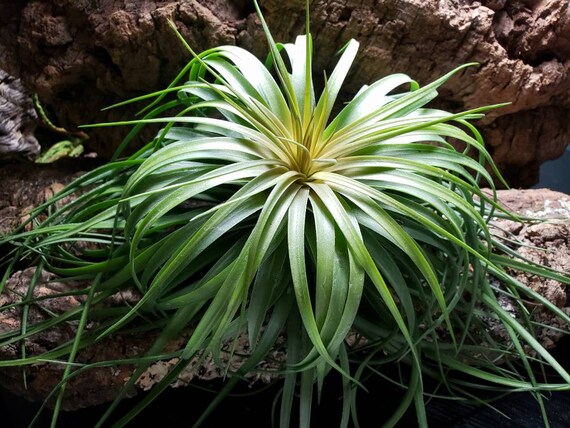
[255,211]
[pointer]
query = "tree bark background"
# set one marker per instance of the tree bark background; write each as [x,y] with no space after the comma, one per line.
[80,56]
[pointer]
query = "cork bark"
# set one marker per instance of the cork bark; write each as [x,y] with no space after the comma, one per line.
[80,56]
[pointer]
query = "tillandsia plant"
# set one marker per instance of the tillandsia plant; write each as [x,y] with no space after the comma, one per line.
[304,228]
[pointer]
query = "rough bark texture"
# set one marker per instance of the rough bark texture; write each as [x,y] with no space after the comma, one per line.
[82,55]
[18,120]
[26,185]
[102,384]
[552,236]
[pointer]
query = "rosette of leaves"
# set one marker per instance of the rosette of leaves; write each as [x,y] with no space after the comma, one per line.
[255,211]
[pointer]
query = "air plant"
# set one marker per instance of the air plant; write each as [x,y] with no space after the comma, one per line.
[303,227]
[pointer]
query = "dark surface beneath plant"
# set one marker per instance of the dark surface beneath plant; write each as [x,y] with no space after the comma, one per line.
[178,408]
[521,408]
